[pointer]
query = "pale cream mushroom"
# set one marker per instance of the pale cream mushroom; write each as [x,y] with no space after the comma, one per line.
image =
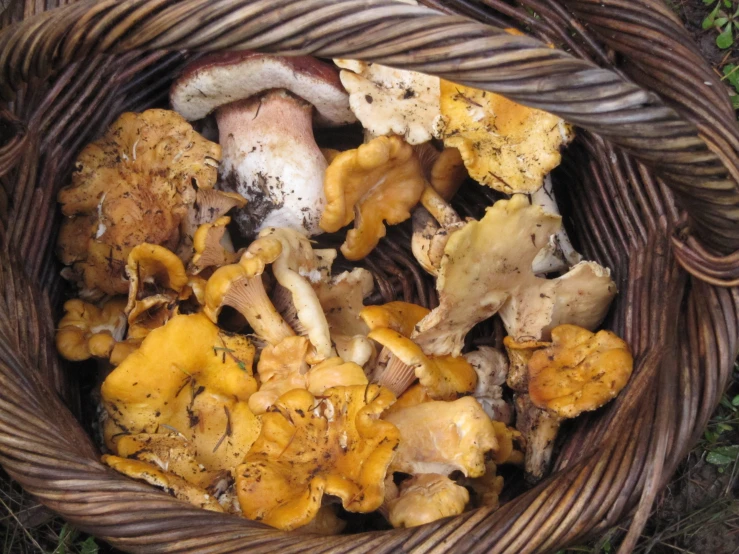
[390,101]
[486,269]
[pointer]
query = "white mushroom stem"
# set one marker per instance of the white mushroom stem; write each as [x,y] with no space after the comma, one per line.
[307,307]
[271,158]
[559,254]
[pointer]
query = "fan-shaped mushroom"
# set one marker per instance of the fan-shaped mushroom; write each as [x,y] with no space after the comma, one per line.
[191,378]
[378,183]
[309,447]
[134,185]
[486,269]
[390,101]
[442,437]
[504,145]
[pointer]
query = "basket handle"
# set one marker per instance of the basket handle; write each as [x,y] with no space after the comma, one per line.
[701,167]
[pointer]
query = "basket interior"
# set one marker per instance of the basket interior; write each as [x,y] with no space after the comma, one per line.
[617,212]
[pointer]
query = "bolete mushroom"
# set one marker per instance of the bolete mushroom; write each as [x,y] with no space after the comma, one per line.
[265,107]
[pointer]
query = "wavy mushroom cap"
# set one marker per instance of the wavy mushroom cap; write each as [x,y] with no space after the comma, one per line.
[190,377]
[381,181]
[401,317]
[443,437]
[581,371]
[444,377]
[134,185]
[87,331]
[309,447]
[390,101]
[425,498]
[504,145]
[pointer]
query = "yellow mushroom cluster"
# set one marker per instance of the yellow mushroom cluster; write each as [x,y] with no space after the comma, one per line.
[243,372]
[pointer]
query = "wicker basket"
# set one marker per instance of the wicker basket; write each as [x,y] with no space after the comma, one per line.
[651,183]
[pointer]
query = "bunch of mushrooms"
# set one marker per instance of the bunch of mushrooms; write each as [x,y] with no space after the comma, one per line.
[244,367]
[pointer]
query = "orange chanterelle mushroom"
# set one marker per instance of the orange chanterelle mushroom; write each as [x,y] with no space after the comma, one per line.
[334,444]
[136,184]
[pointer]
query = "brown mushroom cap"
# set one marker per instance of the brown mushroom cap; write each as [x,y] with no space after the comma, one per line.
[220,79]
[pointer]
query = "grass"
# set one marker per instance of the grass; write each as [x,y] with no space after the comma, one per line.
[26,527]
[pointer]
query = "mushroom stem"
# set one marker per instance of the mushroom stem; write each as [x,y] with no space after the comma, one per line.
[540,429]
[558,254]
[439,208]
[283,302]
[250,299]
[396,376]
[271,158]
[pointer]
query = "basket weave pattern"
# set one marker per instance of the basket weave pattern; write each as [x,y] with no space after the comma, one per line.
[651,180]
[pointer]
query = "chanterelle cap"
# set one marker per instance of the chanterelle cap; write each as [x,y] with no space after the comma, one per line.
[220,79]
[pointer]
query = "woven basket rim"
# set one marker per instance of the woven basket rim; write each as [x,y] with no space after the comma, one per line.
[689,149]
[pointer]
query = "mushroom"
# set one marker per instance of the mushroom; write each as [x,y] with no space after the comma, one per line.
[398,316]
[240,286]
[87,331]
[433,224]
[213,246]
[334,372]
[425,498]
[210,205]
[134,185]
[309,446]
[377,183]
[444,377]
[285,367]
[295,269]
[401,361]
[413,396]
[157,278]
[504,145]
[169,482]
[485,489]
[558,254]
[342,300]
[443,437]
[436,220]
[281,368]
[173,455]
[580,371]
[191,378]
[265,110]
[486,269]
[390,101]
[491,368]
